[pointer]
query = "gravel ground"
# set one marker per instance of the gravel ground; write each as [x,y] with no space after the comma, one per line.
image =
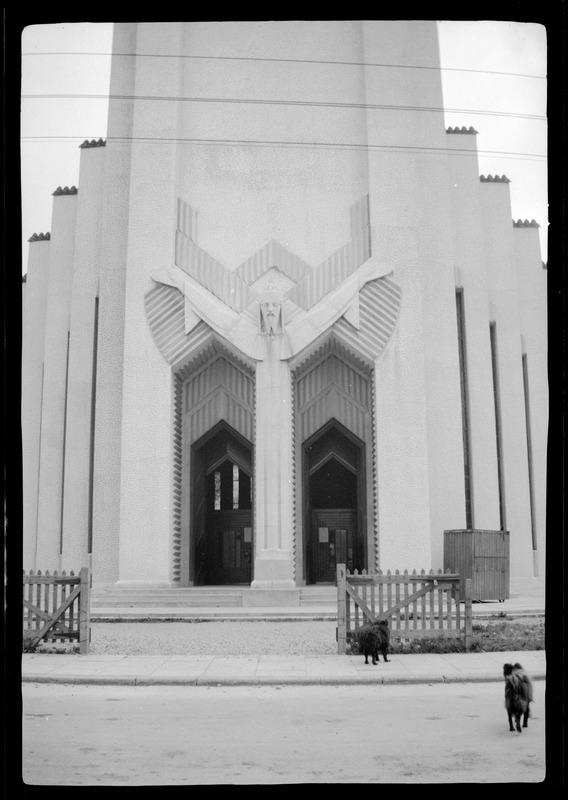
[257,638]
[230,638]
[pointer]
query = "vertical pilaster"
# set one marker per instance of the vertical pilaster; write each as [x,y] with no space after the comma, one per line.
[471,279]
[503,279]
[146,498]
[273,564]
[112,270]
[532,285]
[79,434]
[33,343]
[418,435]
[52,440]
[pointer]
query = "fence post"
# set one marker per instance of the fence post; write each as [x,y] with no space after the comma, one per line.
[468,627]
[84,613]
[341,610]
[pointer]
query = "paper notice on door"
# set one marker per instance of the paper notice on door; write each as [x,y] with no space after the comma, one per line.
[323,534]
[248,534]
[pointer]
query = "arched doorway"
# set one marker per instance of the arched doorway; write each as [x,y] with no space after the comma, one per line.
[221,525]
[334,488]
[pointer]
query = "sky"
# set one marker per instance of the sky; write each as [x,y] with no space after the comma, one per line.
[493,78]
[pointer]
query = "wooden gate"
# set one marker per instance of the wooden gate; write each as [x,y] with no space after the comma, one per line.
[56,607]
[416,605]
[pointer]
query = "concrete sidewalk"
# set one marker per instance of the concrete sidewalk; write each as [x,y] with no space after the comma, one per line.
[201,670]
[190,670]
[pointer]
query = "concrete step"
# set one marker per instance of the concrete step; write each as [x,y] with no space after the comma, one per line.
[159,598]
[177,604]
[322,597]
[318,596]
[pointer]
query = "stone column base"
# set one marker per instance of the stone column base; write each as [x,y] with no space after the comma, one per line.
[273,570]
[273,584]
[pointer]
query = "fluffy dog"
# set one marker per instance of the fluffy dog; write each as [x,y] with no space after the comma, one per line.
[374,638]
[518,695]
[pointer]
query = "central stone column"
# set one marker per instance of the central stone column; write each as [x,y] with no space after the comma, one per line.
[273,582]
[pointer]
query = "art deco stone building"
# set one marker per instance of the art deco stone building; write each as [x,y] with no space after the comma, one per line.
[282,322]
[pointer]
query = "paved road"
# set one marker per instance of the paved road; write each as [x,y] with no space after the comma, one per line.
[120,736]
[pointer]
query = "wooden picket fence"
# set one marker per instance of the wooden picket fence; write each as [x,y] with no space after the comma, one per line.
[416,605]
[56,608]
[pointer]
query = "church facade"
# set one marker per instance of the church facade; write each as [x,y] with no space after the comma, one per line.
[282,322]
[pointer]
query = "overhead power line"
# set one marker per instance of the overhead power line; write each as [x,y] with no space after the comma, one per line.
[296,61]
[296,144]
[301,103]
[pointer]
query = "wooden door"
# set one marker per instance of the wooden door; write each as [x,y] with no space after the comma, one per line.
[221,533]
[333,541]
[231,536]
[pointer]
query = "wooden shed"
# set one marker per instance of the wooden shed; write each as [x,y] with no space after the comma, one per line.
[482,556]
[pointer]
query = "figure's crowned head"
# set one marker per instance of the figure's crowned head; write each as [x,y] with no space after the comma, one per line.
[271,311]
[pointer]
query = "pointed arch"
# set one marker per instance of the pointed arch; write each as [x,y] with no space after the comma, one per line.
[334,406]
[212,388]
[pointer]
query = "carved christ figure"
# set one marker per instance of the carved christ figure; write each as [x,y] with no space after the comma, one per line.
[272,325]
[270,315]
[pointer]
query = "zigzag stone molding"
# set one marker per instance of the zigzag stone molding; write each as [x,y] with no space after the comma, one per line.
[311,283]
[349,293]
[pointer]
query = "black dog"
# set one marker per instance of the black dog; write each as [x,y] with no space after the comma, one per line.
[518,695]
[374,638]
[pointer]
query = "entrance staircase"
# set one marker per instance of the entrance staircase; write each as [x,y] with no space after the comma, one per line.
[230,602]
[211,601]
